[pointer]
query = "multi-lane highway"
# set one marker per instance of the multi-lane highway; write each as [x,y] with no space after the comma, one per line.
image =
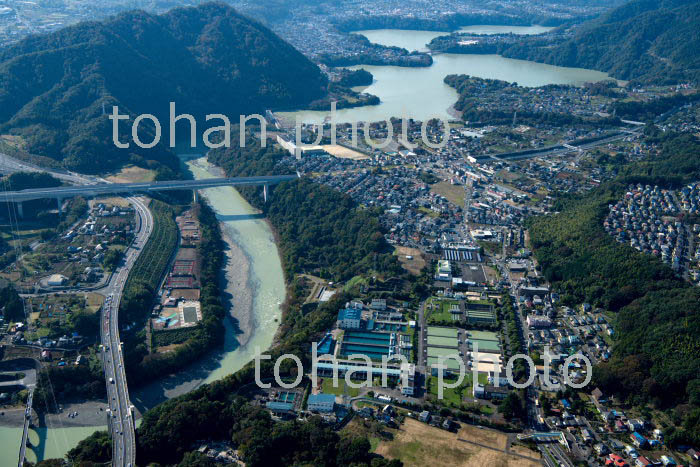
[100,188]
[121,414]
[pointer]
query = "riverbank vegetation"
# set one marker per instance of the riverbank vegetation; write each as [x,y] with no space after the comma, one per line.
[95,448]
[194,342]
[321,231]
[145,276]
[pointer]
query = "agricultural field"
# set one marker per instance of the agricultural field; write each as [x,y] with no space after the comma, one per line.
[80,253]
[418,444]
[53,316]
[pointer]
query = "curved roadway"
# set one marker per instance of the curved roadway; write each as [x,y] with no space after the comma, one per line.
[121,414]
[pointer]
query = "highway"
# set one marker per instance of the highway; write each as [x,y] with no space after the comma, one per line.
[100,188]
[121,414]
[120,411]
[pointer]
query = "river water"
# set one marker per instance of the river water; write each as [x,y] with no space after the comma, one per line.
[420,92]
[254,278]
[47,444]
[415,92]
[255,290]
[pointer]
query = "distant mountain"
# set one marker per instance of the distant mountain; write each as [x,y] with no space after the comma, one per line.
[645,40]
[207,59]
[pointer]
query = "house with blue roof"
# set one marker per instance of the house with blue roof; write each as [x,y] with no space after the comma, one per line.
[638,440]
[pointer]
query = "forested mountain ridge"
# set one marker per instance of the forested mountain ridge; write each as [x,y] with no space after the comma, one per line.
[207,60]
[643,40]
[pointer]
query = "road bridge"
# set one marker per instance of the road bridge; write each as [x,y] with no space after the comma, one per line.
[62,192]
[25,430]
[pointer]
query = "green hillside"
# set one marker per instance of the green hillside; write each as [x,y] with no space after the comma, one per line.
[643,40]
[207,59]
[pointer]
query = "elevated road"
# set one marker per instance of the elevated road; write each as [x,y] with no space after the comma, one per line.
[25,430]
[96,189]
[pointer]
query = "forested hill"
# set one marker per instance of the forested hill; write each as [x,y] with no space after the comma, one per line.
[646,40]
[656,354]
[207,60]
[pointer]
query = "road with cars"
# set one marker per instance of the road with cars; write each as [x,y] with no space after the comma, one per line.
[120,408]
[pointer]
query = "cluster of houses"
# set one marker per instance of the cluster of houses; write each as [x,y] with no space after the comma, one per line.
[646,220]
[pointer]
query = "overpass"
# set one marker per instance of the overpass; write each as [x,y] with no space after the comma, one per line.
[546,437]
[62,192]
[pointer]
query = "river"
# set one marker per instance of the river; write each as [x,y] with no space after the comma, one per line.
[255,290]
[420,92]
[47,444]
[255,280]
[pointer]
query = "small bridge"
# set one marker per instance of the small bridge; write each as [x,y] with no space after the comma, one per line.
[25,430]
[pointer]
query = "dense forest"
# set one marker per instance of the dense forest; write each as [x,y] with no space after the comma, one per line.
[95,448]
[321,230]
[359,77]
[55,88]
[12,306]
[448,21]
[648,110]
[645,41]
[656,355]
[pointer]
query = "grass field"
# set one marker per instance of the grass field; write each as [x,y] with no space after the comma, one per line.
[454,193]
[328,388]
[440,312]
[418,444]
[466,389]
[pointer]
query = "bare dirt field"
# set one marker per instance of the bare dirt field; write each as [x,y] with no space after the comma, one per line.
[132,174]
[418,444]
[415,265]
[344,153]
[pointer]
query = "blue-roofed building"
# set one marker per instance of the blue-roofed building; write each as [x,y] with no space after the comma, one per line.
[566,404]
[280,408]
[323,403]
[349,318]
[325,347]
[638,440]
